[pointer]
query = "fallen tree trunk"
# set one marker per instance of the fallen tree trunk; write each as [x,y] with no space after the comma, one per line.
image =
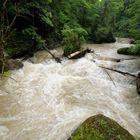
[57,59]
[109,59]
[114,59]
[121,72]
[79,54]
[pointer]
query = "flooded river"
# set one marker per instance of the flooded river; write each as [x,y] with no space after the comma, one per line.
[48,100]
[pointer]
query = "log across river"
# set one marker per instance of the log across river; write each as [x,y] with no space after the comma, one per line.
[48,100]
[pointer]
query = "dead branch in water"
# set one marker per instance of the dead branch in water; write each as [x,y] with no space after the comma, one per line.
[1,75]
[107,74]
[57,59]
[114,59]
[121,72]
[110,78]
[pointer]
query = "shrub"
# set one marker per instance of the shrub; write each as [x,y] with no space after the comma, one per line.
[19,45]
[31,32]
[103,34]
[73,38]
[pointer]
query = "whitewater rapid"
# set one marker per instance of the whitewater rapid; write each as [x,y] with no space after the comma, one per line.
[48,100]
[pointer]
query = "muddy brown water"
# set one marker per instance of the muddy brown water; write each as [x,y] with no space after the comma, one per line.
[49,100]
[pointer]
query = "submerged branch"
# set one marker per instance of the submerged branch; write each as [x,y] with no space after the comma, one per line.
[121,72]
[57,59]
[2,75]
[110,78]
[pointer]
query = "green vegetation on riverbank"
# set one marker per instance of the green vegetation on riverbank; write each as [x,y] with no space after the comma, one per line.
[26,26]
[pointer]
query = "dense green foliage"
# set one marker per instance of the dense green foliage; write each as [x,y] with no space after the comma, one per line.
[100,127]
[72,39]
[128,20]
[63,22]
[67,23]
[128,25]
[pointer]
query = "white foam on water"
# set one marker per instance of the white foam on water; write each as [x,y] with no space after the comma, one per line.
[49,100]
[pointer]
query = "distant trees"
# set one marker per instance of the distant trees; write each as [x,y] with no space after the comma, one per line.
[128,25]
[45,20]
[133,12]
[6,27]
[69,23]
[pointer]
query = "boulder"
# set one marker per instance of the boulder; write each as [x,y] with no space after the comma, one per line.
[132,41]
[138,84]
[100,127]
[14,64]
[11,64]
[133,50]
[123,51]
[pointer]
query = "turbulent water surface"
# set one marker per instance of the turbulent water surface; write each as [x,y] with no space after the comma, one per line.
[48,100]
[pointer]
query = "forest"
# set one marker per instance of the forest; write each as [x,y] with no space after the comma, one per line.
[29,25]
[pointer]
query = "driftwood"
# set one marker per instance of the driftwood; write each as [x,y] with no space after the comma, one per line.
[129,58]
[121,72]
[57,59]
[109,59]
[114,59]
[79,54]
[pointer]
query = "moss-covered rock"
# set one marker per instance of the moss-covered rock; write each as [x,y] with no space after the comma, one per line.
[100,127]
[133,50]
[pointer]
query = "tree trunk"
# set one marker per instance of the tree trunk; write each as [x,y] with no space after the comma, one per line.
[2,59]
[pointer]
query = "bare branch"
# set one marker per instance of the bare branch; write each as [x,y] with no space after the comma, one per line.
[121,72]
[4,4]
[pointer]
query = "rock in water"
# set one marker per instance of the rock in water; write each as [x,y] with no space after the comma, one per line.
[132,41]
[11,64]
[100,127]
[138,84]
[14,64]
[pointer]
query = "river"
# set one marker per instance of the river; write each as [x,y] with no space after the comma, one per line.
[48,100]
